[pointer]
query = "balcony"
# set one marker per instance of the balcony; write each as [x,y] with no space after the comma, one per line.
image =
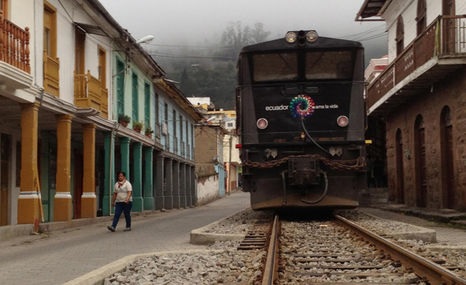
[437,52]
[89,93]
[14,55]
[51,75]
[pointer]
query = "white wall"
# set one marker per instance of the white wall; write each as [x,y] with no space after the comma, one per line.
[408,10]
[207,190]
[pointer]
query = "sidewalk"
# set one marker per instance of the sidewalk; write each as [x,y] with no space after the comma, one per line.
[70,250]
[447,216]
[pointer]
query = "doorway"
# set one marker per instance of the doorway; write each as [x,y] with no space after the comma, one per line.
[5,151]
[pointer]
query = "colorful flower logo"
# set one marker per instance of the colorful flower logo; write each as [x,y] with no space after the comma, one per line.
[302,106]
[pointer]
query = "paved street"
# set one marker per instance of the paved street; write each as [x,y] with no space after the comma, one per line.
[65,255]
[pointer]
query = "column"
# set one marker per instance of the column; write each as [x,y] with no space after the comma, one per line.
[124,149]
[159,184]
[109,172]
[193,186]
[176,184]
[148,178]
[63,207]
[183,202]
[189,183]
[29,203]
[168,184]
[88,198]
[137,177]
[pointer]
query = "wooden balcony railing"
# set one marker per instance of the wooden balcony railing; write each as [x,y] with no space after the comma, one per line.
[444,38]
[14,45]
[51,75]
[89,93]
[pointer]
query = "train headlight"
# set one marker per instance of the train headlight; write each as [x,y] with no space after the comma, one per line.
[312,36]
[342,121]
[262,123]
[291,37]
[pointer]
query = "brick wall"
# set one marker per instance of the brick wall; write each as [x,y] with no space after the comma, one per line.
[449,92]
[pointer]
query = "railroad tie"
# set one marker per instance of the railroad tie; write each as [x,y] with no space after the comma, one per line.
[253,240]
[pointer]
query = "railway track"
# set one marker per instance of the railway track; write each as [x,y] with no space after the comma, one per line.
[340,251]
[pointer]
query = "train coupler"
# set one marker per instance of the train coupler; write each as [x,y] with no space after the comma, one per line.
[303,171]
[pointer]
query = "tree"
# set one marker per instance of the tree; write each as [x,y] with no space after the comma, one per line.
[236,37]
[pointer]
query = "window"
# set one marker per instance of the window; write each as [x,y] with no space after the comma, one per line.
[157,108]
[147,104]
[275,66]
[329,65]
[421,16]
[135,97]
[181,128]
[400,34]
[102,66]
[120,87]
[79,46]
[50,30]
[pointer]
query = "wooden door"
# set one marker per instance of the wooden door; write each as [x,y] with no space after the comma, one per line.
[420,163]
[400,196]
[80,38]
[448,177]
[448,9]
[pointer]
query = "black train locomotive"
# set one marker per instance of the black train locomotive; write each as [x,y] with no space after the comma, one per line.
[301,121]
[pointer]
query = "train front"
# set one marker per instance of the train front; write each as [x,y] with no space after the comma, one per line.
[301,121]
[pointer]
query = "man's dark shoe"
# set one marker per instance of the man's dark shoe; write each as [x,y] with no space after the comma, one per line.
[110,228]
[127,230]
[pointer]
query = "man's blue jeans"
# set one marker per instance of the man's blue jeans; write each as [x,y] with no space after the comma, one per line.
[126,209]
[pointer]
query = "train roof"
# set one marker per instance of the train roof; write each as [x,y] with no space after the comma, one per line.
[319,43]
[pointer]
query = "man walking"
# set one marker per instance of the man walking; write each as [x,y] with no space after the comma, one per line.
[123,201]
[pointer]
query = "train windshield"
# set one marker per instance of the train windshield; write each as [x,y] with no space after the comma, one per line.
[319,65]
[275,66]
[329,65]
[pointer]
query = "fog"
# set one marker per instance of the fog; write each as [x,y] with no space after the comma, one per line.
[201,22]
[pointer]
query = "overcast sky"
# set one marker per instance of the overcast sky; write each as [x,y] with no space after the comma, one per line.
[193,21]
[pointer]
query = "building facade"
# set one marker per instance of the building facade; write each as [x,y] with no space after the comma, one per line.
[420,97]
[68,75]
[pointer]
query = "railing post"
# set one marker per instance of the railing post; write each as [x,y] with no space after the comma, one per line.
[438,37]
[26,52]
[2,37]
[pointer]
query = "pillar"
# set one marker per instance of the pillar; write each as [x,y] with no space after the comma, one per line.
[168,183]
[183,202]
[63,206]
[109,172]
[124,149]
[159,183]
[148,181]
[137,177]
[88,198]
[176,184]
[29,203]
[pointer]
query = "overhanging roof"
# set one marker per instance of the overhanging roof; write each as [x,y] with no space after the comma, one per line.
[91,29]
[370,9]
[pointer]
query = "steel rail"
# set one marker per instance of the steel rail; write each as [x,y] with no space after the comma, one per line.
[270,273]
[430,271]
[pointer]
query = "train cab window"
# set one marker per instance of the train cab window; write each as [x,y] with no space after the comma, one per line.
[275,67]
[329,65]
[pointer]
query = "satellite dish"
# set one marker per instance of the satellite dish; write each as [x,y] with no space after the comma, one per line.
[145,39]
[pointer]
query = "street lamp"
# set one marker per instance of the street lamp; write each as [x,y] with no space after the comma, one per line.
[145,39]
